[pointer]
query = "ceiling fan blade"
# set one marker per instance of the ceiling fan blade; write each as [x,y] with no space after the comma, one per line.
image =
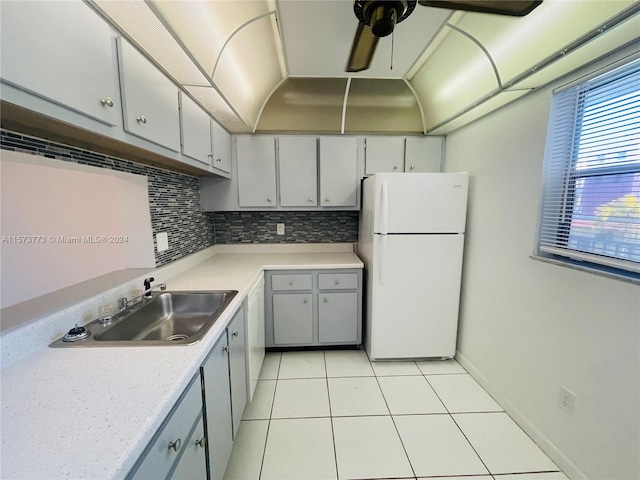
[364,45]
[515,8]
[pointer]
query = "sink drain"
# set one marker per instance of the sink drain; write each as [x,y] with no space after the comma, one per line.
[179,336]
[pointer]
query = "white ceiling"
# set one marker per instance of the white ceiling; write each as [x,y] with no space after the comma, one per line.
[317,37]
[449,68]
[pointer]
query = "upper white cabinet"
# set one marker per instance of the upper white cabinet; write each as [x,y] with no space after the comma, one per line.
[62,52]
[256,171]
[221,148]
[298,171]
[196,131]
[338,171]
[400,154]
[423,154]
[150,100]
[384,154]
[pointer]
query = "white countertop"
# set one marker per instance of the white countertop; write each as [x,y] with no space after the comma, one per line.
[90,412]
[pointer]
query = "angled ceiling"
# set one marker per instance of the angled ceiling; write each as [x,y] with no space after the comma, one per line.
[279,65]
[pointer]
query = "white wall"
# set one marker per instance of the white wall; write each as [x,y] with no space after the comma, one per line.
[527,327]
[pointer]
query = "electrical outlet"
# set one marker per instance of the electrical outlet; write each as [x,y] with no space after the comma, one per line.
[567,399]
[279,228]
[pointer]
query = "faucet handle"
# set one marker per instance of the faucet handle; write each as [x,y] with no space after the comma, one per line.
[123,302]
[147,283]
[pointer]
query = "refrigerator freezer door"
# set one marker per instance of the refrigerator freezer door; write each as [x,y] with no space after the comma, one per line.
[415,294]
[420,202]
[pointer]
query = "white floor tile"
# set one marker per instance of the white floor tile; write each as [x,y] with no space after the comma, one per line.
[440,367]
[383,369]
[301,398]
[270,366]
[475,477]
[299,449]
[461,393]
[535,476]
[502,445]
[302,365]
[248,449]
[407,395]
[348,363]
[353,396]
[260,406]
[436,446]
[369,447]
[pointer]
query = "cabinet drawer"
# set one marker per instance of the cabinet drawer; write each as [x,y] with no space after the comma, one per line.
[291,282]
[338,281]
[159,458]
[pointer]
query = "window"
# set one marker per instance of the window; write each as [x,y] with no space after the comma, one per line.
[591,179]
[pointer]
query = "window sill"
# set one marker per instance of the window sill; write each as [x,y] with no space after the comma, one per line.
[587,267]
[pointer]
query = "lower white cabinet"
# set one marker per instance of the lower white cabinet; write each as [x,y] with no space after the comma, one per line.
[190,434]
[172,441]
[254,324]
[193,463]
[225,394]
[314,307]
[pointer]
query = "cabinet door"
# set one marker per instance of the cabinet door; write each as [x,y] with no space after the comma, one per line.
[338,317]
[298,171]
[215,372]
[338,171]
[423,154]
[256,171]
[221,147]
[61,51]
[255,336]
[193,463]
[165,448]
[196,130]
[150,100]
[384,154]
[237,368]
[292,318]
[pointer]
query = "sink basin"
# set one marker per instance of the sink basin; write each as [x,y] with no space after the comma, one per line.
[168,318]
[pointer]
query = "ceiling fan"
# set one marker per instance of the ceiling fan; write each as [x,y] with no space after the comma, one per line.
[377,18]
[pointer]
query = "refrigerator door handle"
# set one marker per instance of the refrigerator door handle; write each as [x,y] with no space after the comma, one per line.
[385,208]
[383,257]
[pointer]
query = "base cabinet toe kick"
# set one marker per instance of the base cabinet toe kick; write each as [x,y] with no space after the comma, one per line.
[313,307]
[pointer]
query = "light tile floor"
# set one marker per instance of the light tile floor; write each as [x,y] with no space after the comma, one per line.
[336,415]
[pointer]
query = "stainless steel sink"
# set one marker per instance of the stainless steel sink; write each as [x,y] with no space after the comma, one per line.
[168,318]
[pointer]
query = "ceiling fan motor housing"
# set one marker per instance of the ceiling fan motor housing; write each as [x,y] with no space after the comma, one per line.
[381,15]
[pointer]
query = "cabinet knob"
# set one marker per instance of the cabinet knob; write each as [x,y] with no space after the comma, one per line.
[225,349]
[309,199]
[175,446]
[411,167]
[269,199]
[327,199]
[306,300]
[202,442]
[290,282]
[141,119]
[210,155]
[236,333]
[218,159]
[326,300]
[108,102]
[395,167]
[337,282]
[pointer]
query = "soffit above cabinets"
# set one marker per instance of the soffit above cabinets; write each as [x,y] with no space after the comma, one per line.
[279,65]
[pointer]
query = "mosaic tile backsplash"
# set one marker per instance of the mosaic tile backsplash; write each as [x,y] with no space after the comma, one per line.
[174,198]
[174,204]
[300,227]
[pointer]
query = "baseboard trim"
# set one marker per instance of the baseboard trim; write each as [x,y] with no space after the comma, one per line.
[553,452]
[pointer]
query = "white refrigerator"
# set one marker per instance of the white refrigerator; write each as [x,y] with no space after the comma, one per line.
[411,241]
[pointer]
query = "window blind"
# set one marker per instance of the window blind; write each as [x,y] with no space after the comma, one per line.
[591,177]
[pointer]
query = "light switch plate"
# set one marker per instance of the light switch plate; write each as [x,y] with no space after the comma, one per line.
[279,228]
[162,241]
